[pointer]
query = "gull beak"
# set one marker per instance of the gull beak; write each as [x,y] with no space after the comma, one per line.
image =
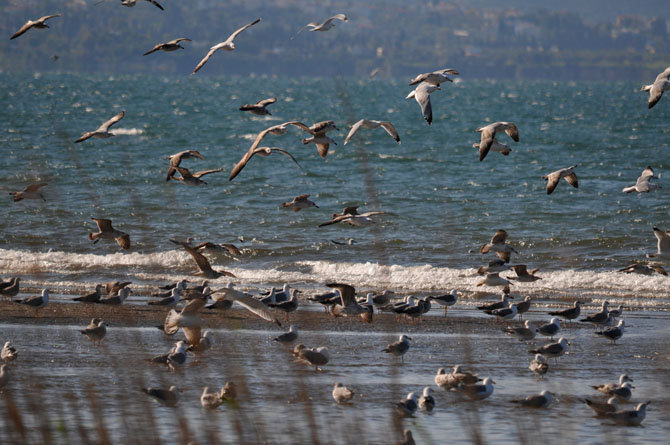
[492,381]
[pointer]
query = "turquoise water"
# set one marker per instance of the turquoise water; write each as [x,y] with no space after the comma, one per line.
[443,204]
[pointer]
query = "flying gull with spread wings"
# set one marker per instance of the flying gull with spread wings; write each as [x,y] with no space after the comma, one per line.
[227,45]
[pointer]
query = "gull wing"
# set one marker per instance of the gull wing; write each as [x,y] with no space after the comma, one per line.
[35,187]
[154,49]
[336,220]
[347,293]
[29,24]
[237,168]
[552,181]
[663,240]
[572,180]
[200,260]
[390,129]
[487,136]
[312,24]
[646,175]
[180,39]
[338,17]
[513,132]
[202,63]
[104,225]
[266,102]
[499,237]
[123,241]
[656,91]
[192,334]
[423,98]
[301,197]
[353,130]
[420,78]
[105,126]
[154,2]
[183,171]
[284,152]
[206,172]
[322,149]
[253,305]
[236,33]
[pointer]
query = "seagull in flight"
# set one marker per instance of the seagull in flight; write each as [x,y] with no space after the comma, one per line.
[131,3]
[103,130]
[643,183]
[189,178]
[325,26]
[351,216]
[434,78]
[567,173]
[488,134]
[106,231]
[663,246]
[172,45]
[202,262]
[370,124]
[422,96]
[175,160]
[260,107]
[662,83]
[30,192]
[227,45]
[37,24]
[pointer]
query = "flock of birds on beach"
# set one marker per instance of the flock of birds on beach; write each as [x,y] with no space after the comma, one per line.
[342,301]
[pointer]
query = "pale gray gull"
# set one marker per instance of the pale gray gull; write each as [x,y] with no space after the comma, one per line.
[643,183]
[662,83]
[342,394]
[434,78]
[523,333]
[37,24]
[103,130]
[566,173]
[542,400]
[630,417]
[496,146]
[323,26]
[227,45]
[300,202]
[488,134]
[422,96]
[371,124]
[30,192]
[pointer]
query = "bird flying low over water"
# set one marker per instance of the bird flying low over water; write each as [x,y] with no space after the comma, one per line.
[370,124]
[30,192]
[103,130]
[260,151]
[496,146]
[300,202]
[325,26]
[351,216]
[319,137]
[172,45]
[499,245]
[422,96]
[203,263]
[131,3]
[643,183]
[193,179]
[106,231]
[175,160]
[227,45]
[662,83]
[434,78]
[663,245]
[488,134]
[37,24]
[260,107]
[566,173]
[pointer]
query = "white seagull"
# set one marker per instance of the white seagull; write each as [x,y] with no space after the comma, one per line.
[663,246]
[370,124]
[37,24]
[567,173]
[434,78]
[422,96]
[342,394]
[103,130]
[662,83]
[489,133]
[643,183]
[325,26]
[227,45]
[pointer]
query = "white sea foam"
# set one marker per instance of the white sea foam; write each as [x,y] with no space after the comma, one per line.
[127,131]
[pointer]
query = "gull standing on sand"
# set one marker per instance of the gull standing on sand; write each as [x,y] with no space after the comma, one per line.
[569,313]
[8,352]
[506,314]
[524,306]
[370,124]
[566,173]
[427,401]
[322,27]
[103,130]
[663,245]
[542,400]
[116,300]
[643,184]
[662,83]
[30,192]
[399,347]
[37,24]
[106,231]
[630,417]
[300,202]
[499,245]
[479,391]
[602,409]
[342,394]
[496,146]
[97,333]
[550,329]
[227,45]
[599,318]
[539,365]
[552,349]
[422,96]
[175,160]
[288,337]
[168,397]
[407,407]
[488,134]
[490,307]
[446,300]
[93,297]
[434,78]
[523,333]
[131,3]
[202,262]
[172,45]
[36,302]
[260,107]
[193,179]
[615,313]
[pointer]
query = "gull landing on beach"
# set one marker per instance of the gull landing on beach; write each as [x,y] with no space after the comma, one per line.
[37,24]
[106,231]
[489,132]
[30,192]
[227,45]
[103,130]
[566,173]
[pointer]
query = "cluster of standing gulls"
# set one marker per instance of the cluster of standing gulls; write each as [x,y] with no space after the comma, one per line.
[342,302]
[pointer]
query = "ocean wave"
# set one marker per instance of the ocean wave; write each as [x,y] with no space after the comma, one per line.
[128,131]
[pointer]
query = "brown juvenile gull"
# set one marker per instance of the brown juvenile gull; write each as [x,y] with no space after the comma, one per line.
[172,45]
[12,290]
[288,337]
[300,202]
[422,96]
[663,245]
[434,78]
[606,388]
[203,263]
[260,151]
[93,297]
[116,300]
[227,45]
[106,231]
[370,124]
[630,417]
[97,333]
[542,400]
[496,146]
[315,357]
[36,302]
[113,287]
[499,245]
[30,192]
[644,269]
[399,347]
[210,400]
[260,107]
[322,27]
[523,274]
[348,305]
[662,83]
[602,409]
[168,397]
[351,216]
[567,173]
[38,24]
[192,179]
[175,160]
[489,133]
[643,184]
[131,3]
[8,352]
[319,137]
[103,130]
[342,394]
